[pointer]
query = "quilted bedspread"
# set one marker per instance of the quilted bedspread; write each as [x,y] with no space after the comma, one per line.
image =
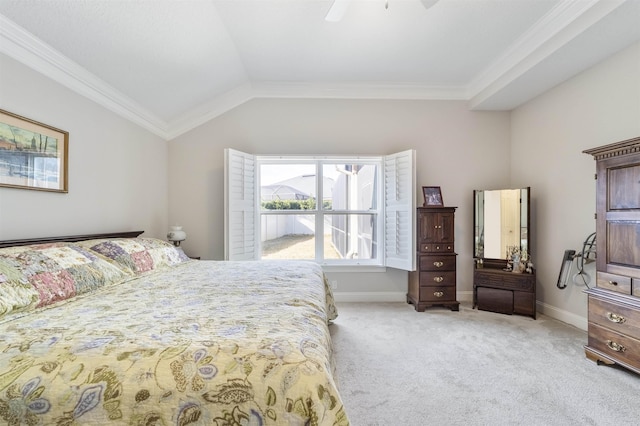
[205,342]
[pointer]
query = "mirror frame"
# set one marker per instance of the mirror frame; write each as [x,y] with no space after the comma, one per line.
[500,262]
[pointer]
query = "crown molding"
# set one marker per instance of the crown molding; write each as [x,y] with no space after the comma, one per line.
[356,90]
[563,23]
[24,47]
[302,90]
[210,110]
[629,146]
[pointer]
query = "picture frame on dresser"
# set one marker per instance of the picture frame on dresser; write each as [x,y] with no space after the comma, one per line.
[33,155]
[432,196]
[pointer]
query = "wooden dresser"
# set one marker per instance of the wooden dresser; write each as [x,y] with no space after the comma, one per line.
[614,303]
[434,281]
[504,292]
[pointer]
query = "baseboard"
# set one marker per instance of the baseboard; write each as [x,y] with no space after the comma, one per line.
[562,315]
[463,296]
[369,296]
[386,296]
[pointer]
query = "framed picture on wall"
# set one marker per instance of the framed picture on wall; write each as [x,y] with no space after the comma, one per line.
[432,196]
[33,155]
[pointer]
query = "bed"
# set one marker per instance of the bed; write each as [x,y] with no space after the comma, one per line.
[122,329]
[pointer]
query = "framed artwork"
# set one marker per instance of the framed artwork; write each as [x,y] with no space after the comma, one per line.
[432,196]
[32,155]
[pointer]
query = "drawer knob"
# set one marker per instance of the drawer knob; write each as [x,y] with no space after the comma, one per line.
[438,279]
[615,346]
[438,293]
[438,264]
[613,283]
[618,319]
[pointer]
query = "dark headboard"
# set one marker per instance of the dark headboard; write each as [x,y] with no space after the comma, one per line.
[70,238]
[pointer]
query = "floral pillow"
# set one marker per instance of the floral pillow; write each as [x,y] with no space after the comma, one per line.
[138,255]
[39,275]
[15,294]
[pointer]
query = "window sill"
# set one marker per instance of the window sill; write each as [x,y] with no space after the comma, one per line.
[354,268]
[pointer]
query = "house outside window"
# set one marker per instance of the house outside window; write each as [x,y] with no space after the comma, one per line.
[332,210]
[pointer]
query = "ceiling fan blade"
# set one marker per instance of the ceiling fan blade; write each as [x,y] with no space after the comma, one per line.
[337,10]
[428,3]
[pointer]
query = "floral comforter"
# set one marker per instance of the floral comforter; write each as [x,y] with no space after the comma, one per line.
[204,342]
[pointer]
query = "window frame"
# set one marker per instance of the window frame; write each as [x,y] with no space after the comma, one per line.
[396,196]
[319,212]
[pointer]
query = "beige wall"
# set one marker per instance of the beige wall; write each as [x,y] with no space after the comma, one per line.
[117,171]
[598,107]
[457,149]
[120,176]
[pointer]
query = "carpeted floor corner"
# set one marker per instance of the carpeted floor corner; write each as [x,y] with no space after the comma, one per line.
[399,367]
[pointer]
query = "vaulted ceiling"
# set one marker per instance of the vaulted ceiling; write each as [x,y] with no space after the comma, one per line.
[171,65]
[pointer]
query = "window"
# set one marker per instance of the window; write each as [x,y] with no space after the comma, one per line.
[334,210]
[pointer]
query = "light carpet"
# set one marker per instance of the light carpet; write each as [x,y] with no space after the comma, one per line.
[398,367]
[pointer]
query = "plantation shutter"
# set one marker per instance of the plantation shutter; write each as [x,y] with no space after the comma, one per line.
[240,239]
[400,200]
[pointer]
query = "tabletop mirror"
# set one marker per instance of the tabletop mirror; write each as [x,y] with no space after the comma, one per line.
[501,222]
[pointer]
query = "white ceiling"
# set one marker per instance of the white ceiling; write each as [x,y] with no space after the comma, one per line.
[170,65]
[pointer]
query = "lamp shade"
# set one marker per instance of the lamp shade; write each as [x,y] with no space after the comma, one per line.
[176,235]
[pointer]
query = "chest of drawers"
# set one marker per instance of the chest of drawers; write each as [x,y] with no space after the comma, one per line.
[614,329]
[434,281]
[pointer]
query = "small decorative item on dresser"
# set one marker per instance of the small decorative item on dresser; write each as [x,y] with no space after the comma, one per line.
[176,235]
[518,260]
[432,196]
